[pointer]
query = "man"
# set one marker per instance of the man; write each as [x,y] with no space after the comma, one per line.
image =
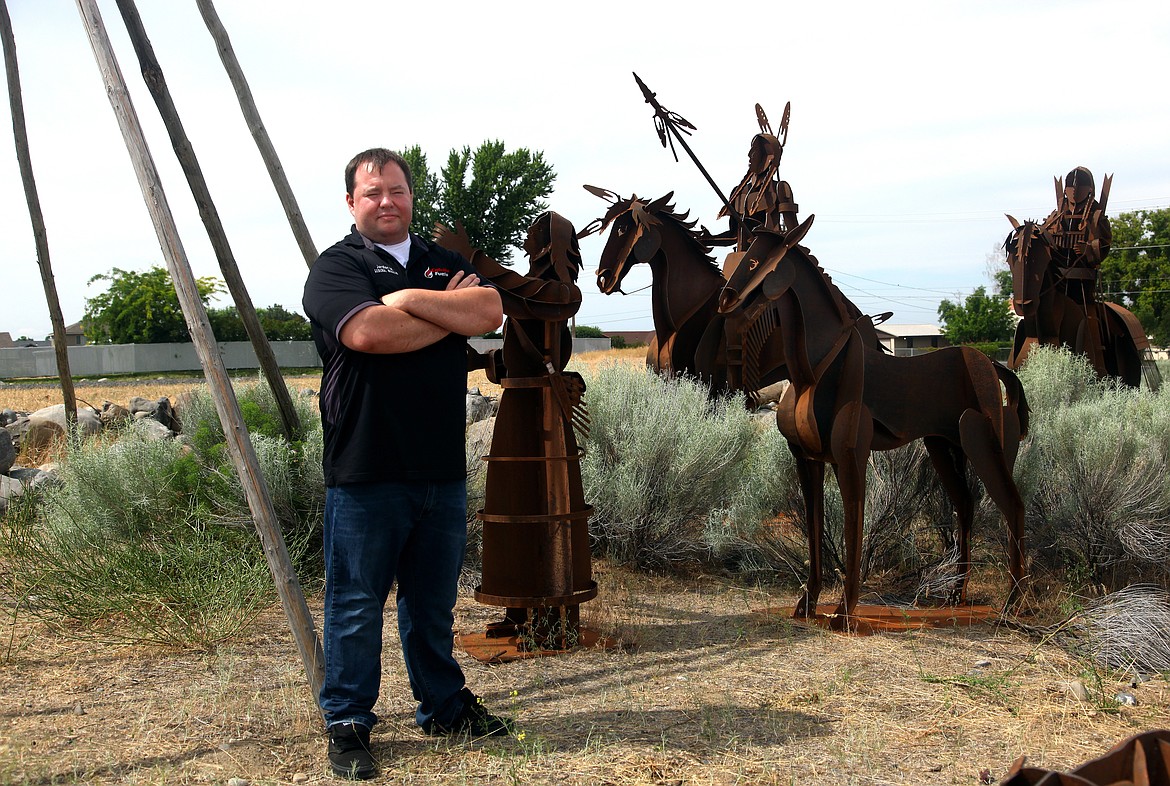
[389,313]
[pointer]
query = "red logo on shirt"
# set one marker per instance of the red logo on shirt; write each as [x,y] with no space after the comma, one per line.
[431,272]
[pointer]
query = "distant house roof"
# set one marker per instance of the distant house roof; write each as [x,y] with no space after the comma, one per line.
[902,331]
[6,339]
[74,330]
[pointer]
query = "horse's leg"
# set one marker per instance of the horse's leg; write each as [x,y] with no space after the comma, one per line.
[852,440]
[652,354]
[811,475]
[951,466]
[984,448]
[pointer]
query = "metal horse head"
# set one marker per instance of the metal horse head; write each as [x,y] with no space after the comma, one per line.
[1029,256]
[634,238]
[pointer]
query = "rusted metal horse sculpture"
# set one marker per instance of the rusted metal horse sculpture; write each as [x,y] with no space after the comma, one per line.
[847,399]
[1056,309]
[686,282]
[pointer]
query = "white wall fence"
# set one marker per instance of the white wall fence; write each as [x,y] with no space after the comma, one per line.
[109,359]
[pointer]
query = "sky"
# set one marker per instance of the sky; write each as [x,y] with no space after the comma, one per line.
[915,126]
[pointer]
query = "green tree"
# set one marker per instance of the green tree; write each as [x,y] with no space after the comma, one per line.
[226,324]
[140,308]
[980,318]
[427,193]
[278,323]
[495,194]
[1136,274]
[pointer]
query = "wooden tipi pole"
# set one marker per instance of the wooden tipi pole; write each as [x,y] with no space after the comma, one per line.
[153,75]
[240,446]
[244,94]
[40,237]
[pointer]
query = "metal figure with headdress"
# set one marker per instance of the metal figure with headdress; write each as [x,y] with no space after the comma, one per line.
[536,561]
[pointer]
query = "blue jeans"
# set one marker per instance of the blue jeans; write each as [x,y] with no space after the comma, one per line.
[415,532]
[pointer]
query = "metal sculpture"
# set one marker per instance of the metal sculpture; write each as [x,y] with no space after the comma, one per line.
[690,336]
[536,561]
[780,317]
[1054,268]
[685,283]
[1141,759]
[847,398]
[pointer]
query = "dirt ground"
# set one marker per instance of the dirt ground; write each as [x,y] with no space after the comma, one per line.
[703,689]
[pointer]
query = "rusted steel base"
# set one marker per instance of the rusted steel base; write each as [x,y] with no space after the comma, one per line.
[869,619]
[1141,759]
[490,648]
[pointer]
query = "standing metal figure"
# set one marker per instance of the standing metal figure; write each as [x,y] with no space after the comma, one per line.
[536,561]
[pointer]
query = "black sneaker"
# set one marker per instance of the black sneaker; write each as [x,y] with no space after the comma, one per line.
[349,752]
[473,720]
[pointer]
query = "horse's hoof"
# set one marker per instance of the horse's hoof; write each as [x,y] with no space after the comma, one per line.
[805,609]
[840,623]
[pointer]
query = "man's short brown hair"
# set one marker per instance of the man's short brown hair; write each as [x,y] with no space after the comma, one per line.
[376,157]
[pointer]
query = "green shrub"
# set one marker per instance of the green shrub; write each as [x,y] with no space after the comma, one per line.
[1095,473]
[129,548]
[660,456]
[152,540]
[292,471]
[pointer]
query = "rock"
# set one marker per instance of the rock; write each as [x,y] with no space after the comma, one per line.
[164,413]
[31,478]
[1126,699]
[772,393]
[479,437]
[183,403]
[1076,689]
[78,709]
[237,782]
[10,488]
[300,777]
[7,416]
[17,429]
[113,414]
[88,421]
[159,409]
[7,451]
[480,407]
[41,434]
[982,664]
[151,429]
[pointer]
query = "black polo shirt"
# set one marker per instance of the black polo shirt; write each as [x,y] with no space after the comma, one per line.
[386,417]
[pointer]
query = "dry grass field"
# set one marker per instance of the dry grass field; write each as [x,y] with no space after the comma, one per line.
[704,687]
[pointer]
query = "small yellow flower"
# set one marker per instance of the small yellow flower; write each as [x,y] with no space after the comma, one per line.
[520,737]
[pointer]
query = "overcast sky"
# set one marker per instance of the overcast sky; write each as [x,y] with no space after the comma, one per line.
[915,126]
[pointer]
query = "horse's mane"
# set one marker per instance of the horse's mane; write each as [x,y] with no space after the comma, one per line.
[846,305]
[659,209]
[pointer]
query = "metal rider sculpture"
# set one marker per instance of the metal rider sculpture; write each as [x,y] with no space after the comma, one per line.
[1055,267]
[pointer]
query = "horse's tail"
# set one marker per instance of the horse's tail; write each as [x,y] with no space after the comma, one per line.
[1015,394]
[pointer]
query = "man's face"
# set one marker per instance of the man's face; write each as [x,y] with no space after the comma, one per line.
[381,203]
